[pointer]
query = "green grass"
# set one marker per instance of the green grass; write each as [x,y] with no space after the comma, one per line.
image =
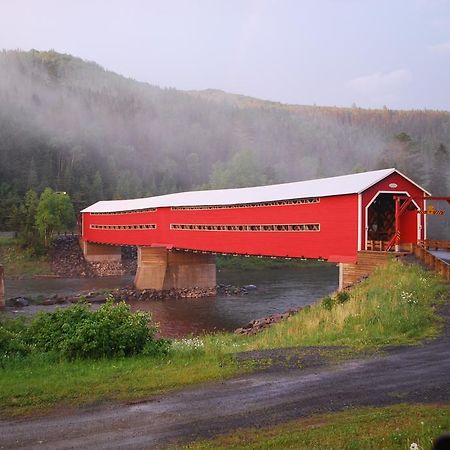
[391,428]
[394,306]
[40,383]
[19,262]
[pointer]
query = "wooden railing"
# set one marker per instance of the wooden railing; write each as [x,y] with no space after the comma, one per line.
[376,245]
[421,250]
[435,244]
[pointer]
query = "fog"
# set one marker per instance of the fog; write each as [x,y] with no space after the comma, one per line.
[77,127]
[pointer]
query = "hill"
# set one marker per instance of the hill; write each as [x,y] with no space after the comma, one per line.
[74,126]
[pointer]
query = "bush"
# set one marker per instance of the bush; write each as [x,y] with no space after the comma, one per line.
[12,342]
[342,297]
[327,303]
[78,332]
[160,347]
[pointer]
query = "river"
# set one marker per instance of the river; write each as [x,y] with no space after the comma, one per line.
[277,291]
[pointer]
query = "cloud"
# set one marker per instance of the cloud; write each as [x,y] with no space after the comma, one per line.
[441,48]
[379,81]
[380,88]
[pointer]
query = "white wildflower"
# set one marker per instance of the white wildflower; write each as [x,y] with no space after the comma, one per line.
[409,298]
[194,343]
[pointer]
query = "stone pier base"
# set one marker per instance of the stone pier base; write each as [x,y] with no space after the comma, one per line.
[159,268]
[100,252]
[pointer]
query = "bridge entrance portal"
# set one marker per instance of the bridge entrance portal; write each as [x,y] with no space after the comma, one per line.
[381,223]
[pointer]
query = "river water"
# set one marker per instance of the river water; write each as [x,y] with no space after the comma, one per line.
[277,291]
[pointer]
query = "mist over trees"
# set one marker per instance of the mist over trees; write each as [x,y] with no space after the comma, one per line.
[75,127]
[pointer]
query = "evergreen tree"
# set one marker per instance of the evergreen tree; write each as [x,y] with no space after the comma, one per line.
[403,153]
[243,170]
[28,231]
[97,188]
[440,172]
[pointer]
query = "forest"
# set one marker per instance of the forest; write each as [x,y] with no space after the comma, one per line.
[71,125]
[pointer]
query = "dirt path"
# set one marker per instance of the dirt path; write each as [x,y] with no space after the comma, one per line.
[413,374]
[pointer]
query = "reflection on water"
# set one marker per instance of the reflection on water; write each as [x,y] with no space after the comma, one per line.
[278,290]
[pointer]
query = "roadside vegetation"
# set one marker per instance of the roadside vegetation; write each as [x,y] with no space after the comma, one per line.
[392,428]
[396,305]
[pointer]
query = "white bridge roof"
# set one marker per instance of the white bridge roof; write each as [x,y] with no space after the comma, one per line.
[324,187]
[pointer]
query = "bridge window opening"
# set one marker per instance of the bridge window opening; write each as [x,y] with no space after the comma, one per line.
[145,226]
[297,201]
[299,227]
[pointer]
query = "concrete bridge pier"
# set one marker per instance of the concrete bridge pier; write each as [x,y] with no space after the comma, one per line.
[160,268]
[100,252]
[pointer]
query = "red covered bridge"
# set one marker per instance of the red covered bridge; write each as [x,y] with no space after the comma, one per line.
[330,218]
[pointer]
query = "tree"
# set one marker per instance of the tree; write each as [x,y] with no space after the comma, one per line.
[403,153]
[54,213]
[439,226]
[439,184]
[24,222]
[97,188]
[27,228]
[244,169]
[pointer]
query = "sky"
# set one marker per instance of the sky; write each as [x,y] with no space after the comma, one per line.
[368,53]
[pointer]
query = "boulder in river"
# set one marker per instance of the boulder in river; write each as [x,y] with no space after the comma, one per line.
[18,302]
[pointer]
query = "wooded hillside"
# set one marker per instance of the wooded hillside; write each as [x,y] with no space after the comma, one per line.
[71,125]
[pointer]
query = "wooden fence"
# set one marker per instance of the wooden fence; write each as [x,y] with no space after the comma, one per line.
[421,250]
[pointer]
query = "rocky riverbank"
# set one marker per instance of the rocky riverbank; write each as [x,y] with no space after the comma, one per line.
[67,261]
[131,294]
[257,325]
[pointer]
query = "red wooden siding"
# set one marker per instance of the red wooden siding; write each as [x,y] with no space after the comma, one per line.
[337,216]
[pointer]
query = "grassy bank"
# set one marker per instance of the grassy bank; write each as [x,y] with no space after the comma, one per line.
[395,306]
[392,428]
[19,262]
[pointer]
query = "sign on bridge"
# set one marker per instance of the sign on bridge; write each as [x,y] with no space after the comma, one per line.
[432,211]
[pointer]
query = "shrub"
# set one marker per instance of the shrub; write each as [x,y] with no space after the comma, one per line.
[159,347]
[12,342]
[78,332]
[327,303]
[342,297]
